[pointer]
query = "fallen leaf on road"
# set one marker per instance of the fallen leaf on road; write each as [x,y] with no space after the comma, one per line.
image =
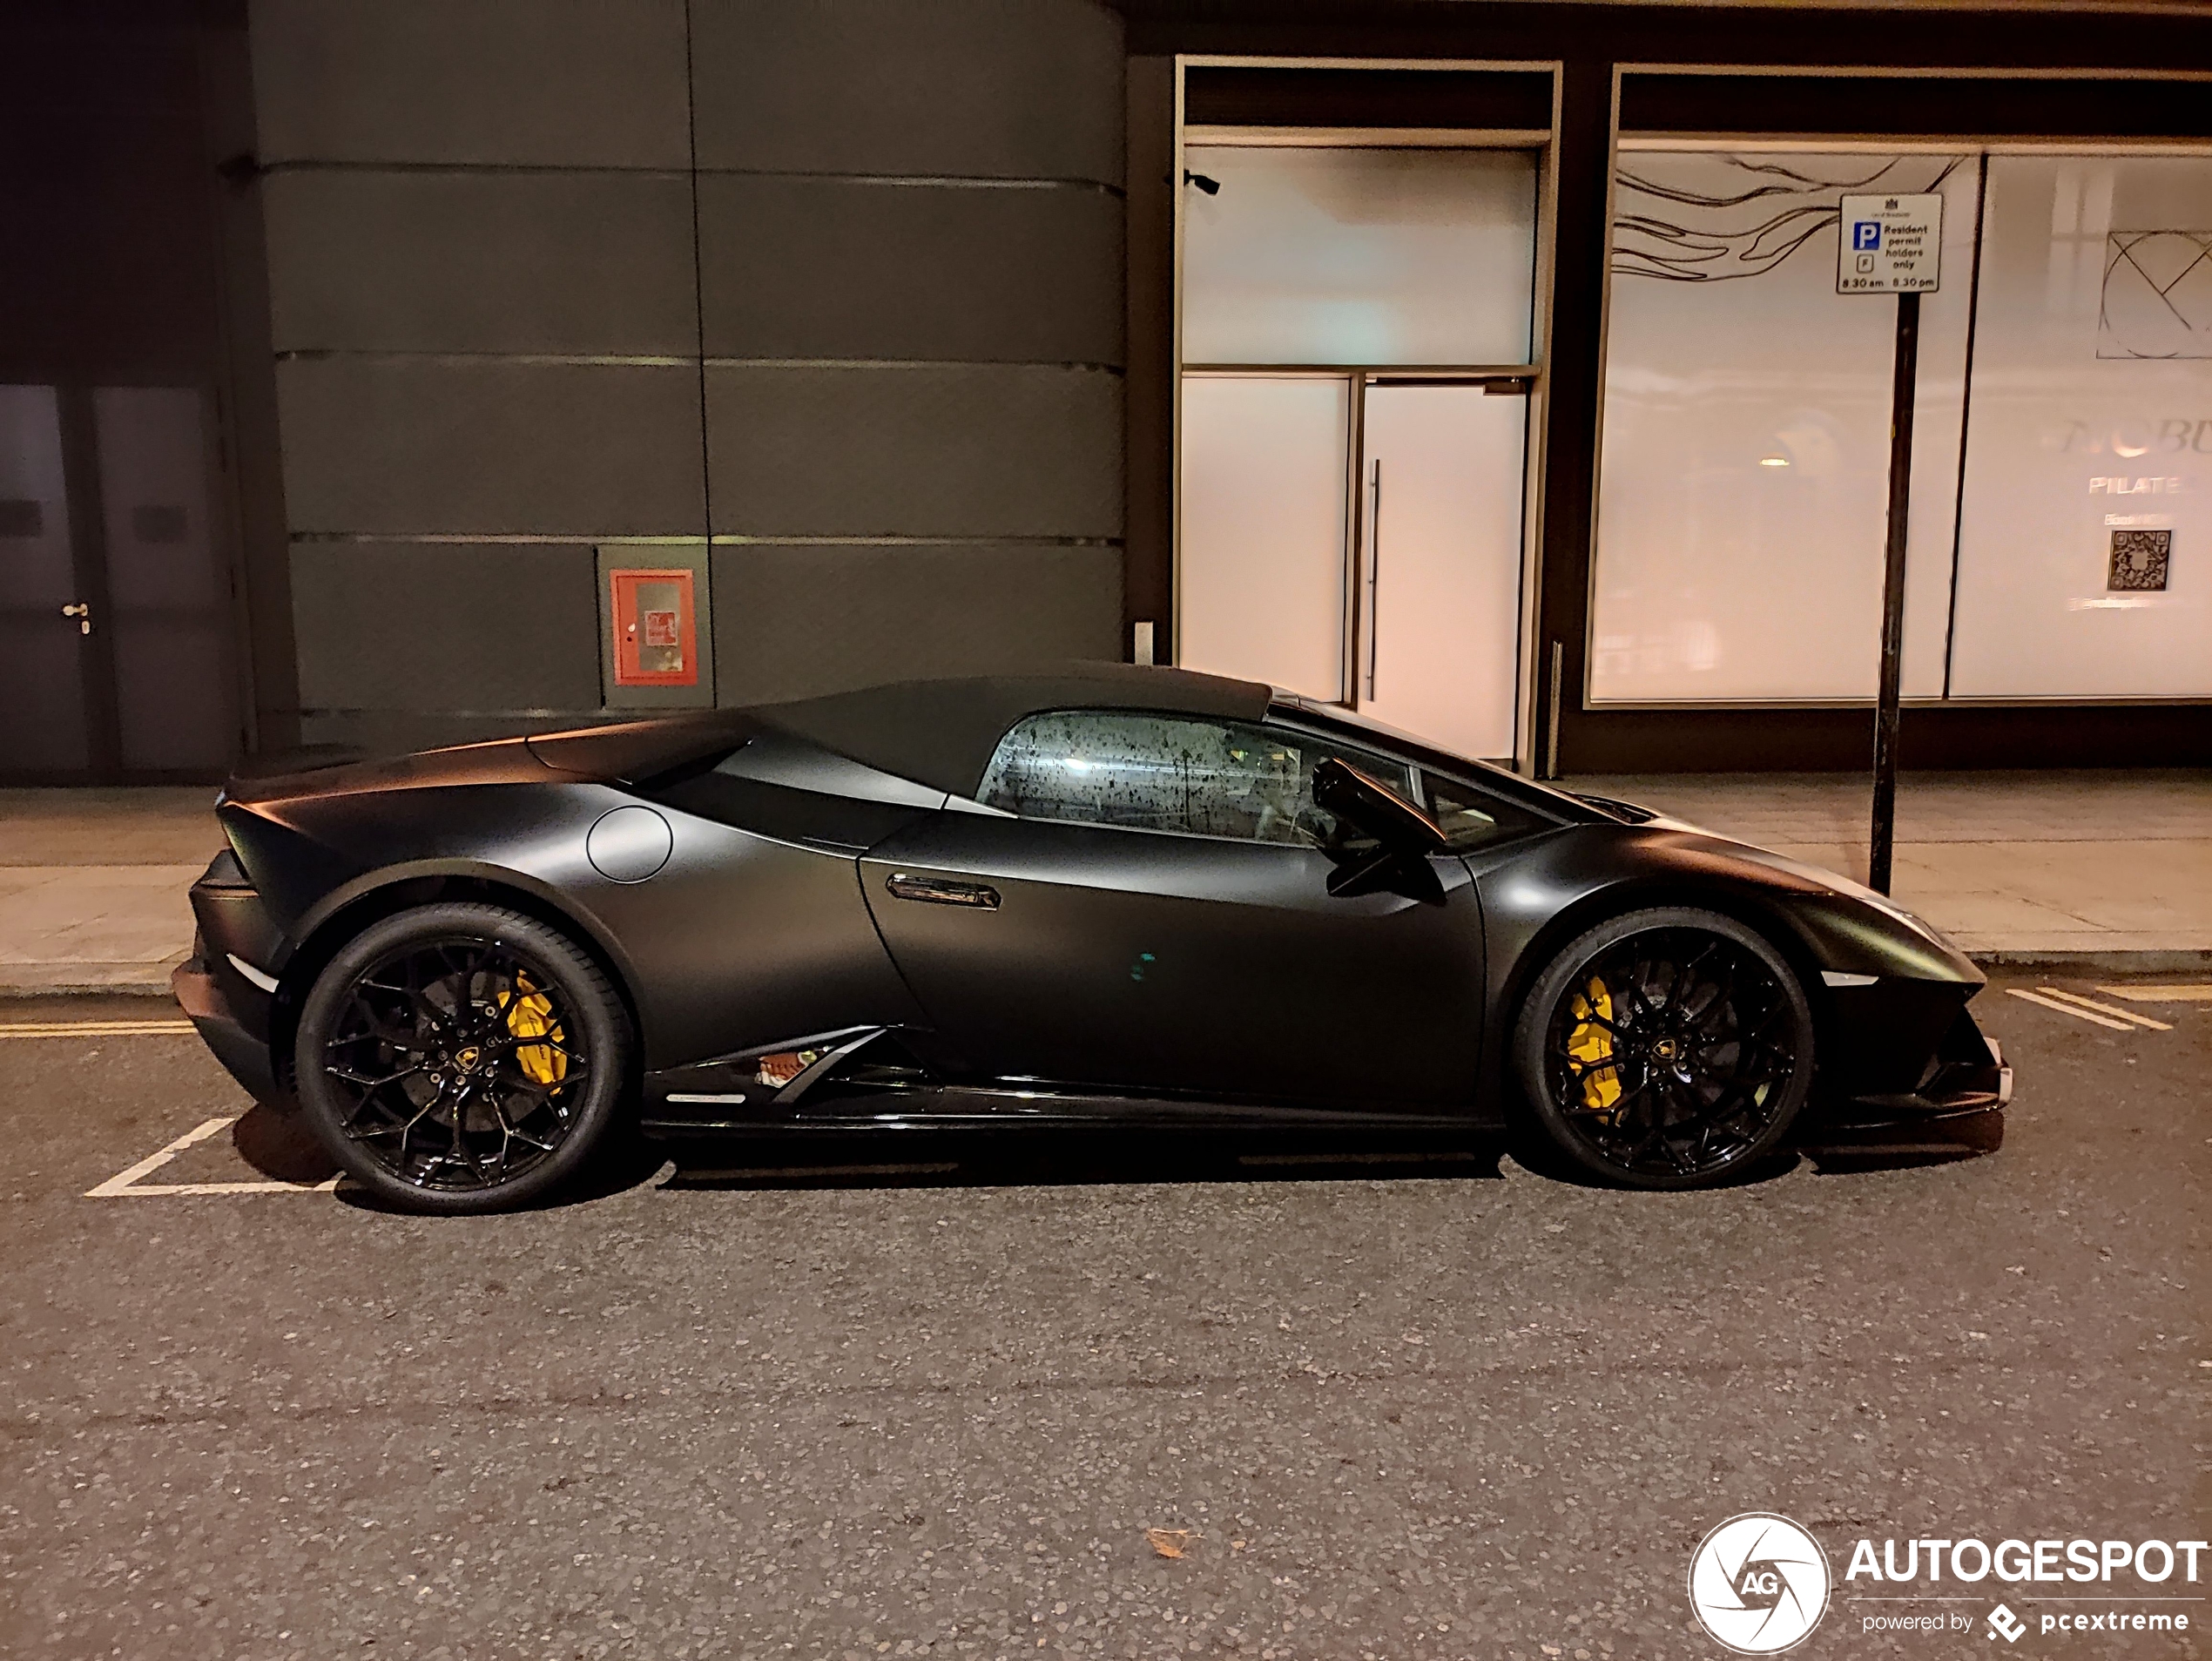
[1168,1542]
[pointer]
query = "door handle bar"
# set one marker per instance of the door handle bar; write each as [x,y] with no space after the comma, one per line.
[1374,572]
[937,891]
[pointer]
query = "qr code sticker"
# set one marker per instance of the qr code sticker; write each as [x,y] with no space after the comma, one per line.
[2140,560]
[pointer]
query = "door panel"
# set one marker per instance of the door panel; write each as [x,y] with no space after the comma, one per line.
[1155,962]
[1445,474]
[168,620]
[43,727]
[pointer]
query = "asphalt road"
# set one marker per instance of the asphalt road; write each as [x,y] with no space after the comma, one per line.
[1407,1405]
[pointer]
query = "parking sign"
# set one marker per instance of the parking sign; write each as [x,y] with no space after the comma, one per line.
[1889,244]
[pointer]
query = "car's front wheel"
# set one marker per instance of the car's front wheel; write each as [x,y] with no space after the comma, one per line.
[461,1057]
[1669,1047]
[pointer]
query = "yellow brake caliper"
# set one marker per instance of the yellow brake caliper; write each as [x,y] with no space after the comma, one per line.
[1592,1046]
[530,1016]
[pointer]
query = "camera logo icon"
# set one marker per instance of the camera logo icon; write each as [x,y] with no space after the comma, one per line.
[1759,1584]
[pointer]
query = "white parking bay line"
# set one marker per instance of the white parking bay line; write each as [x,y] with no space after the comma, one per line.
[2068,1008]
[2112,1010]
[125,1185]
[2161,994]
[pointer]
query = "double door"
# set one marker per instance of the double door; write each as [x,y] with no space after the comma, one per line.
[1359,538]
[117,659]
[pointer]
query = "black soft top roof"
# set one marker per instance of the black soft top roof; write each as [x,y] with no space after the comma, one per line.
[936,732]
[941,733]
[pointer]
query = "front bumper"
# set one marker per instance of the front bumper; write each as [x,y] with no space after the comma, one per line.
[1965,1075]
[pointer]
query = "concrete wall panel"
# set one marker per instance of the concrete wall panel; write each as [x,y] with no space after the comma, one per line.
[794,622]
[982,450]
[413,445]
[994,89]
[817,267]
[589,262]
[547,83]
[485,628]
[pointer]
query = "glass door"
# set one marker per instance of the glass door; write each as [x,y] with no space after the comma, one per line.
[1318,281]
[1439,584]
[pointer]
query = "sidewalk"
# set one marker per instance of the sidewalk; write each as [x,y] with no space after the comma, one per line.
[2017,867]
[92,886]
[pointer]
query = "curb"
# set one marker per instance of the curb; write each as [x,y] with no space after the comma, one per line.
[2188,960]
[2117,962]
[12,993]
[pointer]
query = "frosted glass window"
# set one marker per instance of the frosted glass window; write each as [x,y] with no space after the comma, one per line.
[1358,256]
[1743,480]
[1262,589]
[2084,558]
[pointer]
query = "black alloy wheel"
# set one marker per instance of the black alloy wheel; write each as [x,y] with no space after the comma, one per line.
[461,1057]
[1666,1049]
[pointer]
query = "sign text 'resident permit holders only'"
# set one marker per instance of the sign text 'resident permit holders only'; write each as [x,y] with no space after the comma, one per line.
[1889,245]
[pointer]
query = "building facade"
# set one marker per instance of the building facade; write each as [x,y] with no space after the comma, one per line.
[385,373]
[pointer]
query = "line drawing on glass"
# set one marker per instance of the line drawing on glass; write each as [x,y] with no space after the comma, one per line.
[2157,297]
[1703,236]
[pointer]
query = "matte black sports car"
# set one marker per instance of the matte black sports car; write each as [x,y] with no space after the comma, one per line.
[1126,895]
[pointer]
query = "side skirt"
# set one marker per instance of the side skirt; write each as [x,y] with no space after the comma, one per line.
[865,1079]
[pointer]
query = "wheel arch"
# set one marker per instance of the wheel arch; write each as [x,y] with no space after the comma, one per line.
[1763,914]
[343,915]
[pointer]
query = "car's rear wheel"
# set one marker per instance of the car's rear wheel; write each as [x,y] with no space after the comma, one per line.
[461,1057]
[1669,1047]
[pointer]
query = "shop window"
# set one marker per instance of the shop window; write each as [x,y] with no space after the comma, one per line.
[1743,480]
[1303,255]
[2084,550]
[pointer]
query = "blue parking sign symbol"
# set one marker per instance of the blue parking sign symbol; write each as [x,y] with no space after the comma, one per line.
[1865,233]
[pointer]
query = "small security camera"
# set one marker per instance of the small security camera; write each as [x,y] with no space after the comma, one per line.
[1212,186]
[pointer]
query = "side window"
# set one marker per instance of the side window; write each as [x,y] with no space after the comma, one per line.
[1171,772]
[1469,817]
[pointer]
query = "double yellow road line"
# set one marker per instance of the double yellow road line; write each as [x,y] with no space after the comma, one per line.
[91,1028]
[2111,1014]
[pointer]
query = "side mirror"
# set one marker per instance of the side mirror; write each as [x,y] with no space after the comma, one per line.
[1407,836]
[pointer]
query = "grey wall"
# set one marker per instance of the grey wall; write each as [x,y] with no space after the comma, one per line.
[910,234]
[835,283]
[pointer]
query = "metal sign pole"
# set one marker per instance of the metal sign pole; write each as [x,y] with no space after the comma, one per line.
[1886,710]
[1891,245]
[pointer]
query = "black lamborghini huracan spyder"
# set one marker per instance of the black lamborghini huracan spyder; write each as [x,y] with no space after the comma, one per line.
[1140,896]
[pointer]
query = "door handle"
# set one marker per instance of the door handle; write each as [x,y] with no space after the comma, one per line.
[936,891]
[1374,572]
[82,612]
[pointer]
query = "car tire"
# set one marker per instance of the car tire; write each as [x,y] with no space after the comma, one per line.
[1669,1047]
[460,1059]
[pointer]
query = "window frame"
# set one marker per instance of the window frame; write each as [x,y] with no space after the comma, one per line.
[1526,821]
[1266,723]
